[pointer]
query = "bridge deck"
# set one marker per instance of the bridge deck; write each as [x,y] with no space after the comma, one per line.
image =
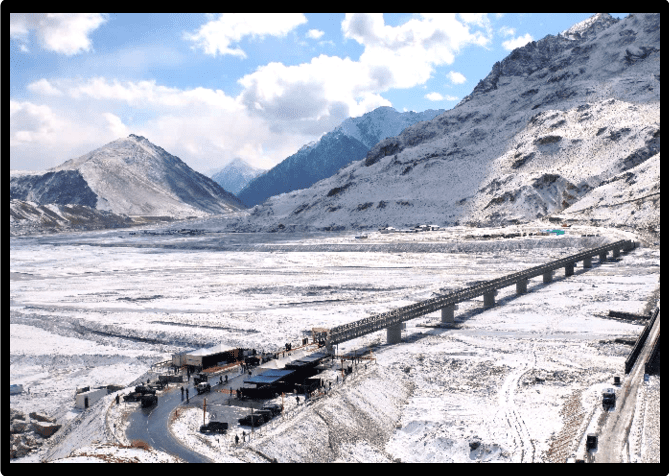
[381,321]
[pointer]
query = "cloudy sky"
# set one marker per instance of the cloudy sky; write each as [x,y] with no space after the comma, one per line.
[212,87]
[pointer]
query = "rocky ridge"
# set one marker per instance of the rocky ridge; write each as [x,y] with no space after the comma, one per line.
[552,122]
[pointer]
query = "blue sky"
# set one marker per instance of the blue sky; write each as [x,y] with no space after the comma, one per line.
[212,87]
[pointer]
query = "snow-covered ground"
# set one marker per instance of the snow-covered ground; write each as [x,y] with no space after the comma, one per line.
[100,308]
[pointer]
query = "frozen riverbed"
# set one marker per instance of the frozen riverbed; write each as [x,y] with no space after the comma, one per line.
[99,308]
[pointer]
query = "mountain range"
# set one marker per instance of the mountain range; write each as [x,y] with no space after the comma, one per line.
[129,176]
[568,118]
[348,142]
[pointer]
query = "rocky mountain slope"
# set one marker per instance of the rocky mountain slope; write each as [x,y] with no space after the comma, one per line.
[552,123]
[348,142]
[129,176]
[236,175]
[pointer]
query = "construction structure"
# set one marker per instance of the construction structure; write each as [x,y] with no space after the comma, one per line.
[392,320]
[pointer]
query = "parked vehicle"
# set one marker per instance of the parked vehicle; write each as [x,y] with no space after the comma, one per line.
[591,441]
[253,419]
[198,378]
[214,427]
[132,397]
[266,414]
[144,390]
[203,388]
[273,407]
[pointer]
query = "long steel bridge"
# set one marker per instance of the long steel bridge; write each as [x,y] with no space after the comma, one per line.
[392,320]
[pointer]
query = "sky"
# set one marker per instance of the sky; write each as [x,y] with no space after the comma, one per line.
[212,87]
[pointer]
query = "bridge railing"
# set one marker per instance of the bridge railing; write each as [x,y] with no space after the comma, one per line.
[380,321]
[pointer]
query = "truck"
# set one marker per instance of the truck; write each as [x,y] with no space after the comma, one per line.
[214,427]
[203,387]
[144,390]
[149,400]
[608,398]
[591,442]
[253,419]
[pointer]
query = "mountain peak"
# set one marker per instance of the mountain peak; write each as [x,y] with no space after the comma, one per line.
[593,24]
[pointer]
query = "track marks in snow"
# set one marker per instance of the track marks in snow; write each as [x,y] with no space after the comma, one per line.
[522,438]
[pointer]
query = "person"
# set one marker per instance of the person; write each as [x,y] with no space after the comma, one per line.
[220,380]
[117,399]
[243,435]
[182,393]
[236,439]
[226,379]
[298,400]
[187,399]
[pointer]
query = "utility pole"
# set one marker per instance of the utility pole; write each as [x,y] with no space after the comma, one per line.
[204,412]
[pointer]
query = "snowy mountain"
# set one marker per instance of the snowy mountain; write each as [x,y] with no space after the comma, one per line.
[235,176]
[552,122]
[129,176]
[315,161]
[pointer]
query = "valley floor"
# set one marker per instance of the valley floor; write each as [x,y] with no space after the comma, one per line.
[511,383]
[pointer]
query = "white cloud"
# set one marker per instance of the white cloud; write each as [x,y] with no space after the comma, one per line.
[507,31]
[143,93]
[217,36]
[438,97]
[31,122]
[66,33]
[116,125]
[514,43]
[455,77]
[44,87]
[315,34]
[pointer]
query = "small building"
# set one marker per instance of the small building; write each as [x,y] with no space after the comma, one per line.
[86,399]
[211,356]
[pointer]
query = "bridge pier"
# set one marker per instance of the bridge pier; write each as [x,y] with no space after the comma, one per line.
[602,256]
[394,333]
[548,276]
[616,252]
[569,269]
[521,286]
[489,299]
[448,314]
[587,262]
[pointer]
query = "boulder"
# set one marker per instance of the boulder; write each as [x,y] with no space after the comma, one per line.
[45,429]
[15,414]
[18,426]
[41,417]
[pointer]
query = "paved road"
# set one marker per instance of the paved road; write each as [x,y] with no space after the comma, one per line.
[150,424]
[616,425]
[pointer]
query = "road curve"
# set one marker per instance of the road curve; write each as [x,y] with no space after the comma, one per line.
[150,425]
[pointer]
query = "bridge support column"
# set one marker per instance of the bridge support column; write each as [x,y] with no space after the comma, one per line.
[569,269]
[521,286]
[548,276]
[587,262]
[448,314]
[489,299]
[602,256]
[394,334]
[616,252]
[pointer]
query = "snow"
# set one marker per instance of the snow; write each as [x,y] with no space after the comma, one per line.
[100,308]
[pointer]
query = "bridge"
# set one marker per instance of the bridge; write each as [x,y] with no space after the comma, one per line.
[447,303]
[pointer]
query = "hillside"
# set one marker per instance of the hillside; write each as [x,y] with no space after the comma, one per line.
[348,142]
[129,176]
[552,122]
